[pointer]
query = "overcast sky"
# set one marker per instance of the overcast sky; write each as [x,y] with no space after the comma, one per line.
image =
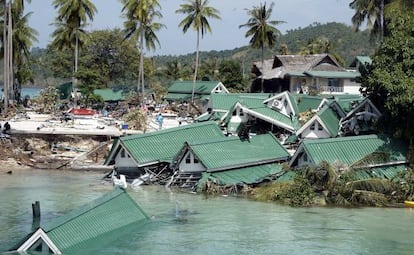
[226,33]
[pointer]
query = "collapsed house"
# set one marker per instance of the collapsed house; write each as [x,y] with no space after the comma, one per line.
[370,155]
[152,153]
[228,161]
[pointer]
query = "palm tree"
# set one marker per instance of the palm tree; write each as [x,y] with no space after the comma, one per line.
[140,26]
[197,12]
[16,40]
[262,30]
[72,18]
[371,11]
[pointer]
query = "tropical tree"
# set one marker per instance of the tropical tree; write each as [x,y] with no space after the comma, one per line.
[70,22]
[198,12]
[12,12]
[389,81]
[262,30]
[373,12]
[140,26]
[22,38]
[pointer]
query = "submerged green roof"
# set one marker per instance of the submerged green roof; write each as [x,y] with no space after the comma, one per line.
[247,175]
[379,172]
[234,152]
[163,145]
[349,150]
[82,228]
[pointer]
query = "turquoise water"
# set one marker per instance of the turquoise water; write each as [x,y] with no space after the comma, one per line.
[215,225]
[31,92]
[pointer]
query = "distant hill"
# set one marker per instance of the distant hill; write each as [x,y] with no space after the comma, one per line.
[346,43]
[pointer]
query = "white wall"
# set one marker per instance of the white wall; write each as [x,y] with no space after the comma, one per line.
[191,166]
[316,133]
[126,161]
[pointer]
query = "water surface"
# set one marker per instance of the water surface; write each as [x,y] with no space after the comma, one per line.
[193,224]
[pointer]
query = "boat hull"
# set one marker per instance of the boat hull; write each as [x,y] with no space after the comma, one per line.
[409,204]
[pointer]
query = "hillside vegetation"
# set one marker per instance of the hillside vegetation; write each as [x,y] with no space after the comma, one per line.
[345,42]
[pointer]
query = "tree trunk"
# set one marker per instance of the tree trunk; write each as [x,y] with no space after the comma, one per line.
[196,66]
[75,70]
[5,63]
[141,64]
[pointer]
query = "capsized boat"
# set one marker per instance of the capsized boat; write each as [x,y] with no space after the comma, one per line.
[409,204]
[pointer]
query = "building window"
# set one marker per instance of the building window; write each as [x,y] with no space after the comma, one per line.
[305,157]
[333,82]
[188,159]
[195,160]
[122,153]
[241,112]
[312,127]
[320,128]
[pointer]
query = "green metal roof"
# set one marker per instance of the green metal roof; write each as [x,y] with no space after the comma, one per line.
[349,150]
[379,172]
[234,152]
[273,115]
[82,227]
[110,94]
[330,119]
[186,87]
[333,74]
[305,102]
[247,175]
[225,101]
[178,96]
[163,145]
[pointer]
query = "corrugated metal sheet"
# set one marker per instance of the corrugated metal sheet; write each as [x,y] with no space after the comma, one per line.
[349,150]
[248,175]
[306,102]
[225,102]
[381,172]
[186,87]
[231,152]
[330,119]
[103,216]
[163,145]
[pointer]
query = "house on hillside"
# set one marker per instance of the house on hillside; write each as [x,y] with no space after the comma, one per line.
[181,91]
[373,154]
[308,74]
[87,229]
[251,156]
[152,153]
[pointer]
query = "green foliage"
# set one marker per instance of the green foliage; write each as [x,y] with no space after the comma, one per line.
[389,81]
[296,193]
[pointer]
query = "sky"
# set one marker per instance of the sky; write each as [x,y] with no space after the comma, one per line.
[226,34]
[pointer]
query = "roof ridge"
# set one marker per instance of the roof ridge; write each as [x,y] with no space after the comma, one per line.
[169,130]
[340,139]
